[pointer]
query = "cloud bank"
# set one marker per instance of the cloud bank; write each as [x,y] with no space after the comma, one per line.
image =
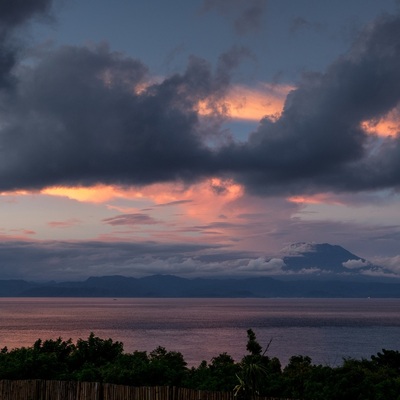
[83,116]
[61,260]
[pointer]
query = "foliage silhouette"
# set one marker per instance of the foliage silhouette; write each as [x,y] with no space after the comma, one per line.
[104,360]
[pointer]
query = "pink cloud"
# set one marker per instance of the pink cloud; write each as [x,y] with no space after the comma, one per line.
[64,224]
[28,232]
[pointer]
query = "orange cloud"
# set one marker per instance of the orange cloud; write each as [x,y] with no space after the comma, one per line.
[168,194]
[388,125]
[94,194]
[180,212]
[249,104]
[15,193]
[241,102]
[321,198]
[253,104]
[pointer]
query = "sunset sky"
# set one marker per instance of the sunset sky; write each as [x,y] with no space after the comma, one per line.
[197,138]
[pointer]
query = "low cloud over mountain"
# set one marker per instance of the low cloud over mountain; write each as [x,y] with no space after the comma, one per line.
[322,258]
[79,260]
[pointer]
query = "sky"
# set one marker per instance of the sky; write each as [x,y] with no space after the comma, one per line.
[196,138]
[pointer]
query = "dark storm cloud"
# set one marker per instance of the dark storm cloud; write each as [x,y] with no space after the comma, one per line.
[82,116]
[247,15]
[76,118]
[15,12]
[12,15]
[317,143]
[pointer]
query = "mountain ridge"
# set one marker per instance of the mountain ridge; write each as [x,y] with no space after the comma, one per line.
[154,286]
[326,258]
[309,270]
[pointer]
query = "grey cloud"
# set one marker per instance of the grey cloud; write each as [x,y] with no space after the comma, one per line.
[16,12]
[317,143]
[230,60]
[219,188]
[391,233]
[389,263]
[173,203]
[216,225]
[58,260]
[260,265]
[78,260]
[63,260]
[131,219]
[247,15]
[12,15]
[76,119]
[224,257]
[251,17]
[74,260]
[251,216]
[80,116]
[300,23]
[356,264]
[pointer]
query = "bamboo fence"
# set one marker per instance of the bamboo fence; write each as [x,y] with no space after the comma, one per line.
[66,390]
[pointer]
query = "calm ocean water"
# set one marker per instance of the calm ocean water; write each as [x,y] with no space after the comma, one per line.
[325,330]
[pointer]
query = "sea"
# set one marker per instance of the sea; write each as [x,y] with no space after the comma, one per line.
[327,330]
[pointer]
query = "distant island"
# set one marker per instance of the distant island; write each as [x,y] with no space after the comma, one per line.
[172,286]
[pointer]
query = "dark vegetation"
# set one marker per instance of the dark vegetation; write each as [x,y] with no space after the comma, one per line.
[104,360]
